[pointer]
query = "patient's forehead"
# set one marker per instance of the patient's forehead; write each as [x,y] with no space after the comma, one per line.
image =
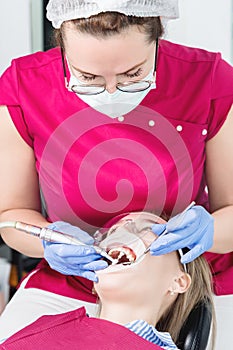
[143,218]
[143,222]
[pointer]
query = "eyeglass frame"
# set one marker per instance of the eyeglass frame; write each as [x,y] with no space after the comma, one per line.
[104,85]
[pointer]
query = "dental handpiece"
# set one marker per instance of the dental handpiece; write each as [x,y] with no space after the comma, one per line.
[49,235]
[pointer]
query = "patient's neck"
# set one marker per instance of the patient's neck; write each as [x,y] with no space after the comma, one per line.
[124,312]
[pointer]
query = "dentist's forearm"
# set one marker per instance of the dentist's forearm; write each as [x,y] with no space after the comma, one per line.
[223,230]
[20,241]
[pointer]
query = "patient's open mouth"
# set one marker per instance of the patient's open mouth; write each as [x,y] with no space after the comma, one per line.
[123,254]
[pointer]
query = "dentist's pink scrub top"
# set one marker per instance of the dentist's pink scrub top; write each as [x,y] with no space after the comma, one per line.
[92,167]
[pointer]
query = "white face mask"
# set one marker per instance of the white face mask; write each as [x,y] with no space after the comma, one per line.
[116,104]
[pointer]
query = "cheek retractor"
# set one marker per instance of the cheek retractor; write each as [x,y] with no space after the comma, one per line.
[124,248]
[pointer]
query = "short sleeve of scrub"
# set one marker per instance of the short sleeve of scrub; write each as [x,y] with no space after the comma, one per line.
[221,95]
[10,97]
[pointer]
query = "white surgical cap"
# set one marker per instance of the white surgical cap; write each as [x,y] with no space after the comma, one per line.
[59,11]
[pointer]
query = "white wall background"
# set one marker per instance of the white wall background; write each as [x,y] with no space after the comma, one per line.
[15,38]
[203,23]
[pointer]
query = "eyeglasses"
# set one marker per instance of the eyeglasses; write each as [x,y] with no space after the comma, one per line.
[134,226]
[96,89]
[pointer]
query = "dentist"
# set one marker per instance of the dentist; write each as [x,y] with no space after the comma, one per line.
[115,119]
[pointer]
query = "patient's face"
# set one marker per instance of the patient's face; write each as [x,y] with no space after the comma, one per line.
[150,276]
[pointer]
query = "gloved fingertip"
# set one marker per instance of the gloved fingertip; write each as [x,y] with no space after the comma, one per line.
[86,250]
[161,251]
[155,252]
[89,241]
[192,254]
[94,279]
[158,228]
[95,265]
[101,265]
[91,276]
[85,238]
[187,258]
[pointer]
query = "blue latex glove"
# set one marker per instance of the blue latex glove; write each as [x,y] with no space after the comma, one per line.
[73,259]
[193,229]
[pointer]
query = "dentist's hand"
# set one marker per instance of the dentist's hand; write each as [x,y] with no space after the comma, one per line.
[73,259]
[193,229]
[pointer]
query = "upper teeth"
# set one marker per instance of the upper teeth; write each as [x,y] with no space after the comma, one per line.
[129,253]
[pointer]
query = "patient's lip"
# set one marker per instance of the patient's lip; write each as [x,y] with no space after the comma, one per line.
[123,254]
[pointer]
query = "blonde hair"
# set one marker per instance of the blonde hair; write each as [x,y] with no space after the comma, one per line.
[200,290]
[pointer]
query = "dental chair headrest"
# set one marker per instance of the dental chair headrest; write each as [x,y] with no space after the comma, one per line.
[195,332]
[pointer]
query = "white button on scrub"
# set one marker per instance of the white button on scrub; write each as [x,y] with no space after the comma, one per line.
[204,132]
[151,123]
[179,128]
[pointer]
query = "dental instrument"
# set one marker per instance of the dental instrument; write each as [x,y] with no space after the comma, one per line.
[164,232]
[179,218]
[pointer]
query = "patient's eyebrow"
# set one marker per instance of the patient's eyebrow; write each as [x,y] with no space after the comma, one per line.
[129,70]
